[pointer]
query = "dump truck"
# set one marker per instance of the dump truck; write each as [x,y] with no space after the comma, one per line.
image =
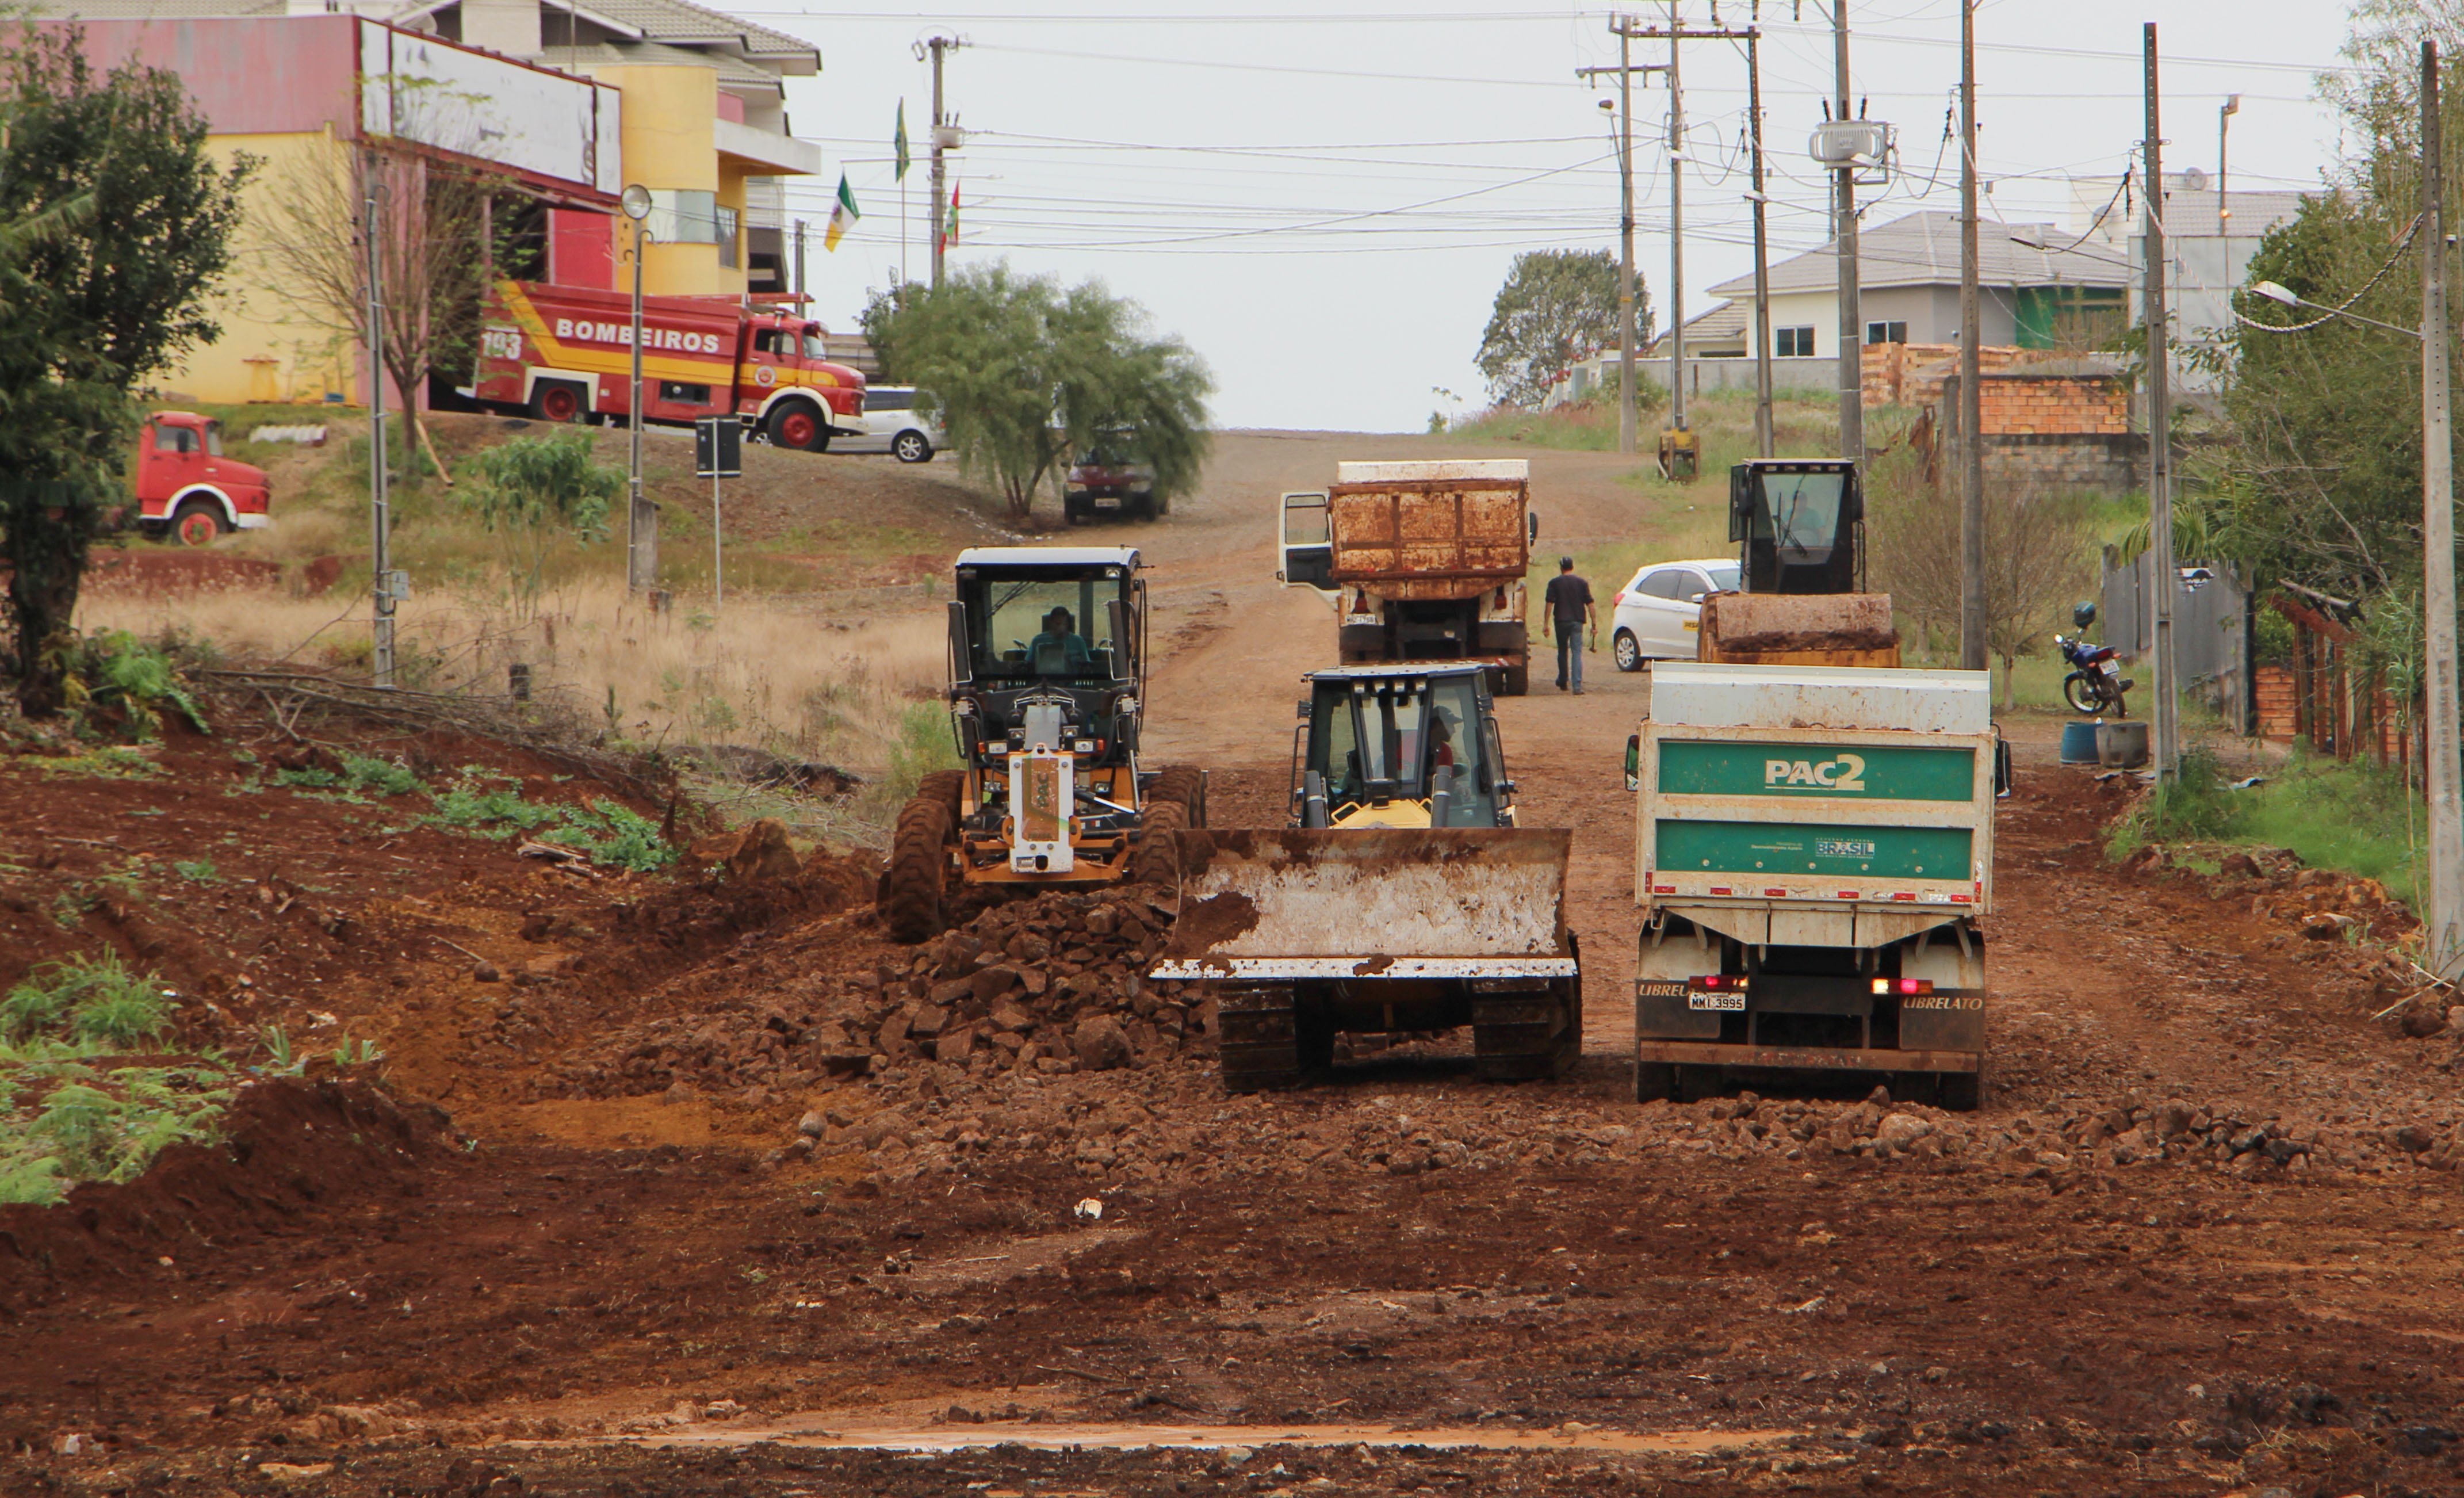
[1421,561]
[1799,524]
[1047,686]
[565,354]
[1814,853]
[1400,899]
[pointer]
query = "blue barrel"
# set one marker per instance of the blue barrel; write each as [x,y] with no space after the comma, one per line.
[2079,743]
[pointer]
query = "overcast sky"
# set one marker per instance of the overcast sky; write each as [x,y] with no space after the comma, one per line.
[1323,205]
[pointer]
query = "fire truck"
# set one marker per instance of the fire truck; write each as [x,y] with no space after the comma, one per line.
[564,354]
[186,490]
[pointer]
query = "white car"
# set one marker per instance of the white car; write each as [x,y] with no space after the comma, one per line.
[892,425]
[1659,613]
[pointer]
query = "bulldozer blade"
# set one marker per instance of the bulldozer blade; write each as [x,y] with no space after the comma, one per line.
[1383,903]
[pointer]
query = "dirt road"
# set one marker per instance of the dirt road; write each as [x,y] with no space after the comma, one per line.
[2205,1239]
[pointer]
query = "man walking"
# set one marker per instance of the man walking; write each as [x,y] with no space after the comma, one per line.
[1567,604]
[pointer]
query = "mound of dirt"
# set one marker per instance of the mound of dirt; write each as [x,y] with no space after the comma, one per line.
[289,1143]
[1055,983]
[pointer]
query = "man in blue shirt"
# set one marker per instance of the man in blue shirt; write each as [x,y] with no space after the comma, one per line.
[1567,604]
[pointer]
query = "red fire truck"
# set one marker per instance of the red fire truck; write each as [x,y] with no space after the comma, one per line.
[564,353]
[188,490]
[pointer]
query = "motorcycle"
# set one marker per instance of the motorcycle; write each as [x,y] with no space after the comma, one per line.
[2096,684]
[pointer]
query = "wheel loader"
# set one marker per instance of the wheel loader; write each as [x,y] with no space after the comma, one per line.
[1400,899]
[1048,677]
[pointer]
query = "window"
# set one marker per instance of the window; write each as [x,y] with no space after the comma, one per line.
[1886,332]
[765,341]
[1726,579]
[888,400]
[1019,636]
[175,439]
[727,236]
[1667,582]
[814,347]
[684,216]
[1794,342]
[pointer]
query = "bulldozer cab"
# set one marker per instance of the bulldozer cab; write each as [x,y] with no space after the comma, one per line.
[1801,523]
[1384,747]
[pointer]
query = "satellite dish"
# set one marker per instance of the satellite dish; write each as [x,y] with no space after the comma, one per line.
[2195,179]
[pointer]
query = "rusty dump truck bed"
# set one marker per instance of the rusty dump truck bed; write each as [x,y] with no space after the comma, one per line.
[1357,903]
[1431,530]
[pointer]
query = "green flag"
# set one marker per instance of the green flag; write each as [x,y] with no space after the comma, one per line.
[900,140]
[842,215]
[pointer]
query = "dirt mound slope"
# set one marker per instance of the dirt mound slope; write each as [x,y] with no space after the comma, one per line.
[289,1144]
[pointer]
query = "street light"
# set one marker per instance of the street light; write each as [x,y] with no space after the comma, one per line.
[2275,292]
[2224,121]
[641,531]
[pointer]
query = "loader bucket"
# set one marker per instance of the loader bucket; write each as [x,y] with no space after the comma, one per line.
[1400,902]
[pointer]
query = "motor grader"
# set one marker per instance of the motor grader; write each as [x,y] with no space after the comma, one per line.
[1401,899]
[1048,677]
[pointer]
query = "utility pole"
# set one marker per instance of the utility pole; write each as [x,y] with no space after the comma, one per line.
[1623,29]
[2160,434]
[2445,944]
[1675,230]
[1674,33]
[942,139]
[1851,331]
[1762,251]
[641,514]
[2225,112]
[1972,368]
[800,265]
[381,601]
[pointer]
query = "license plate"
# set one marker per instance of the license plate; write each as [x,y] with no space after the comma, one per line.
[1720,1003]
[1107,504]
[1659,988]
[2111,668]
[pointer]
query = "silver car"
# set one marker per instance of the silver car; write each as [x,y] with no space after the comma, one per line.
[892,425]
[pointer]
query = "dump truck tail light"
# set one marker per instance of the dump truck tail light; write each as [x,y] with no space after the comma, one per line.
[1906,986]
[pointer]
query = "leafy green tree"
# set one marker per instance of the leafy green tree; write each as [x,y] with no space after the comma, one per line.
[114,223]
[1556,308]
[1025,373]
[533,490]
[880,307]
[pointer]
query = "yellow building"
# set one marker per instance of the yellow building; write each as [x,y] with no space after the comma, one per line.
[570,103]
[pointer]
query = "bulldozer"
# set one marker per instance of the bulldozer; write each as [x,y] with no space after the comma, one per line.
[1400,899]
[1800,527]
[1048,679]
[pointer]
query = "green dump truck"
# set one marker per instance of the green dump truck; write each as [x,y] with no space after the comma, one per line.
[1814,851]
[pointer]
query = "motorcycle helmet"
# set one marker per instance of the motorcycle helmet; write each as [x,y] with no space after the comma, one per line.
[2082,615]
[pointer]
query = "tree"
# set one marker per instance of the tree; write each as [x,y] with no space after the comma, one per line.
[114,223]
[438,240]
[533,489]
[1556,308]
[880,308]
[2035,556]
[1025,373]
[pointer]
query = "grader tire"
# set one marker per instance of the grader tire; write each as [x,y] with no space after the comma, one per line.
[1155,860]
[910,890]
[946,786]
[1185,783]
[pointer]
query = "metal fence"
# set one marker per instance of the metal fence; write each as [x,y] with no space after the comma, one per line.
[2211,644]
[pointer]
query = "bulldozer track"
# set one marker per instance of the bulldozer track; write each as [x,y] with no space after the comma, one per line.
[1523,1037]
[1262,1043]
[1155,860]
[911,888]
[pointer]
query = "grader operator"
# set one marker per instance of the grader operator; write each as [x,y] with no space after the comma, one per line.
[1048,676]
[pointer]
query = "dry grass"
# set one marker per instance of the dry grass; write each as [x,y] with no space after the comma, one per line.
[762,673]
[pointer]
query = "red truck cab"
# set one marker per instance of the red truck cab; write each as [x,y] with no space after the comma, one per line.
[186,488]
[564,353]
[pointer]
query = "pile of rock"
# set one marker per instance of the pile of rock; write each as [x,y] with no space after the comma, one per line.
[2321,903]
[1054,983]
[753,1052]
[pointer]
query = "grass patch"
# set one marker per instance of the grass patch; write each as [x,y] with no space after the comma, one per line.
[63,1120]
[2350,817]
[490,805]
